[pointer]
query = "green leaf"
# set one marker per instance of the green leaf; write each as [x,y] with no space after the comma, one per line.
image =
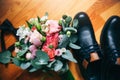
[64,16]
[75,23]
[73,38]
[51,64]
[23,51]
[71,29]
[34,63]
[74,46]
[37,25]
[29,25]
[38,19]
[5,57]
[16,61]
[25,65]
[63,25]
[68,19]
[22,42]
[68,55]
[32,69]
[43,57]
[64,69]
[58,65]
[64,41]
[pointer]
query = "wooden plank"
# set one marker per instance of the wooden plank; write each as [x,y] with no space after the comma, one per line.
[18,11]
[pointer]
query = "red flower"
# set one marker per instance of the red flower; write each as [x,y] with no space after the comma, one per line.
[51,44]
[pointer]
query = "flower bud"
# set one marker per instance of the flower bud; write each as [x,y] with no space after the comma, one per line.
[68,33]
[17,44]
[43,39]
[32,48]
[58,52]
[28,56]
[51,46]
[60,22]
[63,49]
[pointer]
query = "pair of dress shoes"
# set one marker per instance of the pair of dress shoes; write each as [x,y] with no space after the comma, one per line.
[108,51]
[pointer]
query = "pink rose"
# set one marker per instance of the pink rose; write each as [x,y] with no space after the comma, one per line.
[37,42]
[33,50]
[53,26]
[35,38]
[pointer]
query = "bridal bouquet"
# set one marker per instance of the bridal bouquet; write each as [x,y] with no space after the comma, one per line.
[45,44]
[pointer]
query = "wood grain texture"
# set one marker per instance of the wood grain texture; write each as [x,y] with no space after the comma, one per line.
[18,11]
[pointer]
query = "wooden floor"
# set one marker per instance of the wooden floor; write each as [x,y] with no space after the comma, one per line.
[18,11]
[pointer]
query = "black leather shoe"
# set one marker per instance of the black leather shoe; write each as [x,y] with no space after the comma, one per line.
[86,36]
[110,45]
[88,44]
[110,38]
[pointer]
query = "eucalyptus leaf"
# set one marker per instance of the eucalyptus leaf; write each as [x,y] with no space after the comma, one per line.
[51,64]
[63,25]
[58,65]
[71,29]
[73,38]
[74,46]
[64,16]
[33,63]
[43,57]
[64,69]
[67,24]
[23,51]
[68,19]
[16,61]
[75,23]
[5,57]
[68,55]
[32,69]
[64,41]
[25,65]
